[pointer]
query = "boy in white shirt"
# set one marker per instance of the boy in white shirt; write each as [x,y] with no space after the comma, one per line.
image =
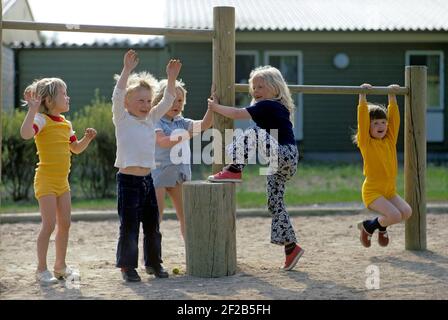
[134,121]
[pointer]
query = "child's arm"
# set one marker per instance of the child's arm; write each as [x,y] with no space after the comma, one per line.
[130,61]
[79,146]
[27,130]
[363,118]
[165,141]
[229,112]
[172,71]
[201,125]
[393,115]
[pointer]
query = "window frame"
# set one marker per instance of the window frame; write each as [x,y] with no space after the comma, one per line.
[440,53]
[298,116]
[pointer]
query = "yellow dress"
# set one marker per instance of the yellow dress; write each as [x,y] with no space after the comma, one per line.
[53,137]
[380,155]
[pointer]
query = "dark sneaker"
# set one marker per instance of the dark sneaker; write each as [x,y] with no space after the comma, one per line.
[292,258]
[226,176]
[130,275]
[149,270]
[159,271]
[364,236]
[383,238]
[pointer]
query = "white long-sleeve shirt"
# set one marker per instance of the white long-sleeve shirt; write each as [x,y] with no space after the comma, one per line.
[136,137]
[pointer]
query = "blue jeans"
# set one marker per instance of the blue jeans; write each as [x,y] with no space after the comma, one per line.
[137,203]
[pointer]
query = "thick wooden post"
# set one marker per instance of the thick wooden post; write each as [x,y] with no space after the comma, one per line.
[415,156]
[210,237]
[223,75]
[210,208]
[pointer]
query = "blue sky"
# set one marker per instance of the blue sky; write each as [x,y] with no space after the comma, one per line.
[136,13]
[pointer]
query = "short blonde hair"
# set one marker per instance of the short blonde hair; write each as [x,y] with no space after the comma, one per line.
[45,88]
[274,80]
[162,86]
[139,80]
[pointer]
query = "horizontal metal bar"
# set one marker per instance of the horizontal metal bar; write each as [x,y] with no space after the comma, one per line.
[308,89]
[42,26]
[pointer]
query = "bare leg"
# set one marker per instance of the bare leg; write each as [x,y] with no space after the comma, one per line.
[176,195]
[403,206]
[63,221]
[390,213]
[160,194]
[47,206]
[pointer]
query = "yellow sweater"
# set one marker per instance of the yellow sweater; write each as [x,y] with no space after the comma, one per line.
[380,155]
[53,138]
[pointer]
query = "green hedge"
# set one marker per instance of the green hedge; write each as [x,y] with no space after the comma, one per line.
[93,170]
[19,158]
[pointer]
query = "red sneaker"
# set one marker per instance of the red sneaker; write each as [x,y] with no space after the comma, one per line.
[364,236]
[293,258]
[226,176]
[383,238]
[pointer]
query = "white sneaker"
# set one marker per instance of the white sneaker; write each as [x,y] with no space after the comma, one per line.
[66,273]
[45,277]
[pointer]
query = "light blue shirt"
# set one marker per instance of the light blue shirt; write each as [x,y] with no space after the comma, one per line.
[173,126]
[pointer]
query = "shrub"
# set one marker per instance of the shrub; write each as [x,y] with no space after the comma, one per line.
[93,170]
[19,157]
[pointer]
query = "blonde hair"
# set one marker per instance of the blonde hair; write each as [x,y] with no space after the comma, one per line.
[45,88]
[275,81]
[162,86]
[376,111]
[139,80]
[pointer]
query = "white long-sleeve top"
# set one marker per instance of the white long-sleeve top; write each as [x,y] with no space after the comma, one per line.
[136,137]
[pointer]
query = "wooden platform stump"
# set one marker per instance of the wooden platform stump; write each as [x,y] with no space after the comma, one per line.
[210,233]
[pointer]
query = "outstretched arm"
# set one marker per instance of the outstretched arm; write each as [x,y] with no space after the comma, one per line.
[229,112]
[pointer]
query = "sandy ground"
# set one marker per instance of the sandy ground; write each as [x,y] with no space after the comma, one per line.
[334,266]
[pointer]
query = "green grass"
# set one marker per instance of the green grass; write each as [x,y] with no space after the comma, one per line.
[315,183]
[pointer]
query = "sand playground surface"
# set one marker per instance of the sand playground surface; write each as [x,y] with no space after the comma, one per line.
[334,265]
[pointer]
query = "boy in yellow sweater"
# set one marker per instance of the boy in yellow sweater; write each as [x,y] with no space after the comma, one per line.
[377,138]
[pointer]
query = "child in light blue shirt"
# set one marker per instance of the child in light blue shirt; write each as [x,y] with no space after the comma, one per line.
[172,153]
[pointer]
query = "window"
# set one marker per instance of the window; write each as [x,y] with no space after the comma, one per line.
[245,62]
[433,60]
[290,65]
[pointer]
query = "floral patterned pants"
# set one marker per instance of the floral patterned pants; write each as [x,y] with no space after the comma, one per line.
[283,161]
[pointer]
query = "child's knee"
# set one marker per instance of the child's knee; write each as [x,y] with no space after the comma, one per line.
[64,224]
[48,227]
[394,217]
[406,212]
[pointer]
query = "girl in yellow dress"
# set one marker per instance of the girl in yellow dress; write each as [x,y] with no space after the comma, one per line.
[376,139]
[55,141]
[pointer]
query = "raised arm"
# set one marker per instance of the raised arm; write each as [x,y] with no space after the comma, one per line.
[27,130]
[363,118]
[130,61]
[172,71]
[393,115]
